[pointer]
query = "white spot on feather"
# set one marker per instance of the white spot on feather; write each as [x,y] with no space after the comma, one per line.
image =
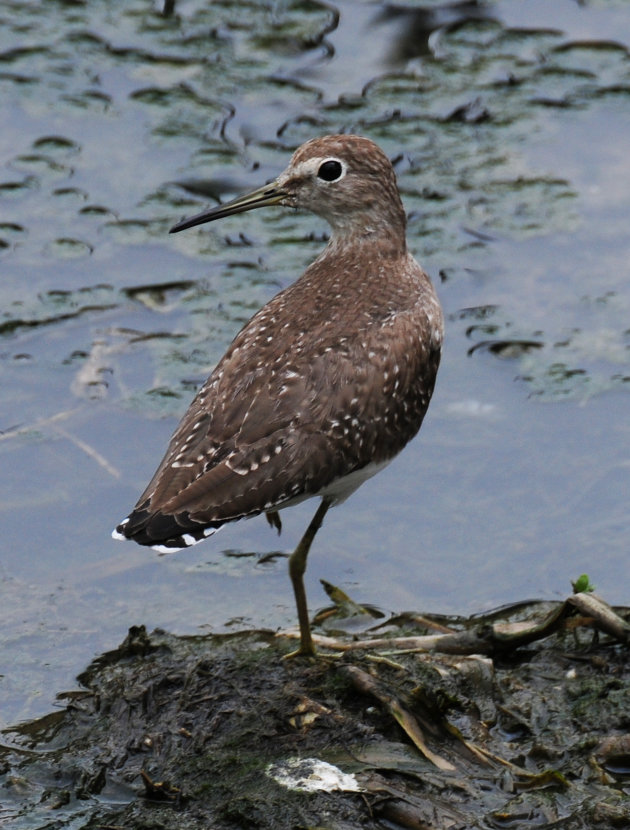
[165,549]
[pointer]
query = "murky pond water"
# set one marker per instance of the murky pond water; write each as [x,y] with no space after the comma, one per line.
[509,125]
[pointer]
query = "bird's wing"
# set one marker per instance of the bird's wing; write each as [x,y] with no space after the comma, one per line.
[260,433]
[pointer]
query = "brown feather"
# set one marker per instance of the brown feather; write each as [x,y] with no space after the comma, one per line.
[332,375]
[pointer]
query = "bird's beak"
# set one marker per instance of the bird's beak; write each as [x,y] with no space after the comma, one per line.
[269,194]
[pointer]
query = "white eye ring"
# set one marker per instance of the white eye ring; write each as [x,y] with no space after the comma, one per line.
[331,170]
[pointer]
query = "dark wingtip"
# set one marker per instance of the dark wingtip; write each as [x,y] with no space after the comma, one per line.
[163,532]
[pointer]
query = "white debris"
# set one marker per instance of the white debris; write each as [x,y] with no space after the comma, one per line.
[310,775]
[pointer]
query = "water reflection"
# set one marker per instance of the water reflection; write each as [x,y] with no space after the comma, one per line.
[409,29]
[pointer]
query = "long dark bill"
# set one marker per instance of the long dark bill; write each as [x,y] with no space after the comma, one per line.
[270,194]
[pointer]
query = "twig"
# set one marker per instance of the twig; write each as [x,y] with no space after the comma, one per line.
[89,450]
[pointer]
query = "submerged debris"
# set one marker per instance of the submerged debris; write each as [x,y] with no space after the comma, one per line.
[531,730]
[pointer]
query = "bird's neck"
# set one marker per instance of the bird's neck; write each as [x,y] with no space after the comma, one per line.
[372,241]
[381,226]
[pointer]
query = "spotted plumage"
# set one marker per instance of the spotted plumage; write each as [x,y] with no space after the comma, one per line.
[326,383]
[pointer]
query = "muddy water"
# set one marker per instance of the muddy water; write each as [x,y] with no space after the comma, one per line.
[508,124]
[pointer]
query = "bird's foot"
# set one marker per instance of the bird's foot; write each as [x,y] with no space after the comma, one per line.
[305,650]
[273,517]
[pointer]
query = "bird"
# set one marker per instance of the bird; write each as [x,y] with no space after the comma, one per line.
[324,385]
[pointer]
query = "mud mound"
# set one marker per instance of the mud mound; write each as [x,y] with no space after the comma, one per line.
[221,732]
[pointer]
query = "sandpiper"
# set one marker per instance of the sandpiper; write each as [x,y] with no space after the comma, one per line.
[324,385]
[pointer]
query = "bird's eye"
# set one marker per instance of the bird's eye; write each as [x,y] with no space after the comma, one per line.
[330,170]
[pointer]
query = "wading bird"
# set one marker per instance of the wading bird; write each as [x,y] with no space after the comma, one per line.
[324,385]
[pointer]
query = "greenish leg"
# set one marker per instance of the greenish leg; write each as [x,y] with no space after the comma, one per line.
[297,567]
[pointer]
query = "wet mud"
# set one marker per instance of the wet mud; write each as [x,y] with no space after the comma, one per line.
[223,732]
